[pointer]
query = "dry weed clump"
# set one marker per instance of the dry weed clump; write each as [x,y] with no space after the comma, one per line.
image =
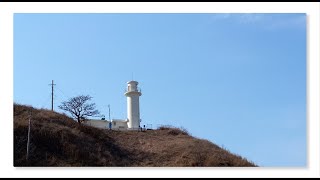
[174,130]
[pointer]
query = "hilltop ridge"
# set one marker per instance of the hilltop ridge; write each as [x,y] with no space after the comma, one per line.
[57,140]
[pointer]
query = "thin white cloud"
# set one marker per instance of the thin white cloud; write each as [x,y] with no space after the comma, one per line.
[238,17]
[220,16]
[248,18]
[291,22]
[268,21]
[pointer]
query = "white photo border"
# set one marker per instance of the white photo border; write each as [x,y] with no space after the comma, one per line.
[8,9]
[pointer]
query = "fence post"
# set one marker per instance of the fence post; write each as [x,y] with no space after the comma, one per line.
[28,142]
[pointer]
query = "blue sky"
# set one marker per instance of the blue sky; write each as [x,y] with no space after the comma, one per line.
[238,80]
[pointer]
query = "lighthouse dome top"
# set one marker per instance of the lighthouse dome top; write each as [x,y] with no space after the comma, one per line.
[132,88]
[132,82]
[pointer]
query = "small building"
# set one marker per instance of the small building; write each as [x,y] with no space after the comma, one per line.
[119,124]
[97,123]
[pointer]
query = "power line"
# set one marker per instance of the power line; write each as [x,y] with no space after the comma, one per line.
[64,95]
[60,95]
[44,103]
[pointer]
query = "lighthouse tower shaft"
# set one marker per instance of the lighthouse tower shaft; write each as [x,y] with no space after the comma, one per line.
[133,110]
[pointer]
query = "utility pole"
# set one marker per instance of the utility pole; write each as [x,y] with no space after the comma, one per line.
[52,95]
[28,141]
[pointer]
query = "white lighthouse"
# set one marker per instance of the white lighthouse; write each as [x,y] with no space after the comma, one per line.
[133,111]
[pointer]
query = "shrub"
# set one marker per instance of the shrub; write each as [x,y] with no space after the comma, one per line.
[174,130]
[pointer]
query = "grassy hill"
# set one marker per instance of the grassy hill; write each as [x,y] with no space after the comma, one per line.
[57,140]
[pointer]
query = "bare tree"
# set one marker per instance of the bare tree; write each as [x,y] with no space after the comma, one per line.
[79,107]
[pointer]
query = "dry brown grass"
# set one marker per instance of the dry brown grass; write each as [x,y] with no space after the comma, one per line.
[57,140]
[174,130]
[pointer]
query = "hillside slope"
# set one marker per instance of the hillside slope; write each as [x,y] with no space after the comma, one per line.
[57,140]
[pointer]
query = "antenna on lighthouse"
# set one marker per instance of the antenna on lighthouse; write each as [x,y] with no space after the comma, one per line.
[109,112]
